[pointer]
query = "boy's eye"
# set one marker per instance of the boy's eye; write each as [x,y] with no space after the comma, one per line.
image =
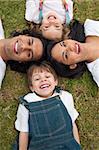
[36,79]
[48,76]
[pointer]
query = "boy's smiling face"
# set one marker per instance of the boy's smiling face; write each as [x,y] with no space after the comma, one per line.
[43,83]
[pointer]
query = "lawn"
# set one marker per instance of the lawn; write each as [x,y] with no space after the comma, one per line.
[84,90]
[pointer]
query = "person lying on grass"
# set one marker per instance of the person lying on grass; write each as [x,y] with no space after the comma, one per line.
[46,116]
[70,53]
[21,48]
[52,16]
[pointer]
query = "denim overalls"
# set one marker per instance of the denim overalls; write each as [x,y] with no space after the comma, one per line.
[50,126]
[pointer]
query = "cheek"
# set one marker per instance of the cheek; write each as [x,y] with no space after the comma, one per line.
[44,21]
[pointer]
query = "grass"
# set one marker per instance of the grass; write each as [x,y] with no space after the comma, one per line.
[84,90]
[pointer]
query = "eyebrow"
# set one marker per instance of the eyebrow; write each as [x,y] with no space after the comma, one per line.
[32,50]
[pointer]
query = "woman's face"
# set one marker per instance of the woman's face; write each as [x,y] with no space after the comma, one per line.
[67,52]
[23,48]
[51,23]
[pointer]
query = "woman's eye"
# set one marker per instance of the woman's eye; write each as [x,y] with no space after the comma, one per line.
[66,56]
[29,55]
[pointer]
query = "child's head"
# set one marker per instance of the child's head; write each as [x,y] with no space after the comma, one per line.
[42,79]
[52,27]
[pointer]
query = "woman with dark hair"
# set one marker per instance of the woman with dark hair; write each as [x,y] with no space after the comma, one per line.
[26,46]
[76,33]
[71,53]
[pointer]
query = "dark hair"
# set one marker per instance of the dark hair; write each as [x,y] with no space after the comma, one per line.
[23,66]
[76,33]
[62,69]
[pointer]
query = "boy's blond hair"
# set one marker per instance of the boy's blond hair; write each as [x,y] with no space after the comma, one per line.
[39,67]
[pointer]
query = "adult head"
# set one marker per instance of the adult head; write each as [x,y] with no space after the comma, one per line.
[52,26]
[42,79]
[66,58]
[23,48]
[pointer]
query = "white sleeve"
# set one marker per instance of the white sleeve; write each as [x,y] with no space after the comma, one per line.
[21,123]
[95,72]
[1,31]
[32,11]
[2,71]
[91,27]
[69,104]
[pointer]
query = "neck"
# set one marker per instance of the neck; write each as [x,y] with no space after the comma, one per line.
[90,51]
[2,50]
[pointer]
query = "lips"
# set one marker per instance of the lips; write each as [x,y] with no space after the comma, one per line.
[51,17]
[77,48]
[44,86]
[16,47]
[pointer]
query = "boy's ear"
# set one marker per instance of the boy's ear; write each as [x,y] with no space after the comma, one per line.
[73,66]
[31,88]
[56,82]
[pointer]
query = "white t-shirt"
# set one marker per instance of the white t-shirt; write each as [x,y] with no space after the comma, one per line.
[2,70]
[92,28]
[32,9]
[21,123]
[1,31]
[2,63]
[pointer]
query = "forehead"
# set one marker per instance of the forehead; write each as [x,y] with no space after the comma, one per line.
[40,70]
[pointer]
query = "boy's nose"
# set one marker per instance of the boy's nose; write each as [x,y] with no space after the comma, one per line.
[43,79]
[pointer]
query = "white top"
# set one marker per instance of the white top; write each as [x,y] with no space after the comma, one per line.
[2,70]
[93,67]
[21,123]
[1,31]
[92,28]
[2,63]
[32,9]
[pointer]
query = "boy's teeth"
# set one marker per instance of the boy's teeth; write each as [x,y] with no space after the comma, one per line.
[44,86]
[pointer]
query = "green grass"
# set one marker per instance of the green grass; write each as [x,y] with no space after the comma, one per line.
[84,90]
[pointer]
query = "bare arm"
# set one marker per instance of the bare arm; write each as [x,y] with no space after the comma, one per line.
[75,133]
[23,140]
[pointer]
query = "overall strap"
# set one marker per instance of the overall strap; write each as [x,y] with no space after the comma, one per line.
[24,102]
[65,4]
[40,9]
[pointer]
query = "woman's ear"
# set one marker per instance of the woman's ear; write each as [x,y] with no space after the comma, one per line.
[73,66]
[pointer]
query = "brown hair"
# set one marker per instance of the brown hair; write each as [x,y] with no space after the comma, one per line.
[39,67]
